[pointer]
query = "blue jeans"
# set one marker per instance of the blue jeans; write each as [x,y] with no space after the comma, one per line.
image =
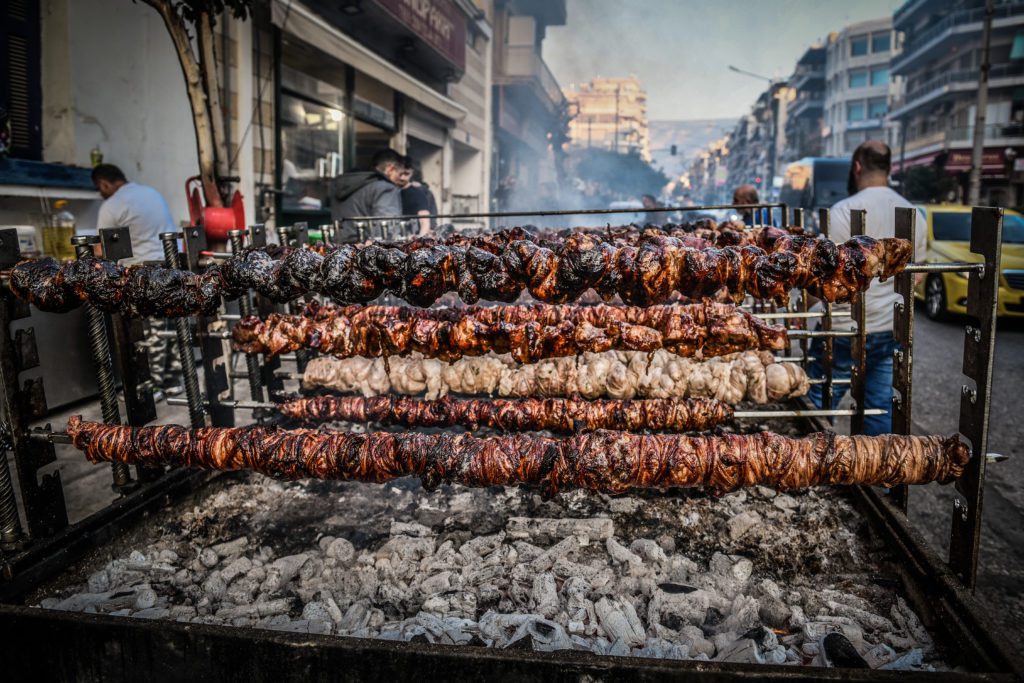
[877,385]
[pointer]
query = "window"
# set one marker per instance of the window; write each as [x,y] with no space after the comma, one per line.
[880,76]
[20,79]
[1017,51]
[855,111]
[311,145]
[881,42]
[858,79]
[858,46]
[877,109]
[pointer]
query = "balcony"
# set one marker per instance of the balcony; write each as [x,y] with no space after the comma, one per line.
[962,137]
[807,77]
[522,64]
[954,28]
[951,82]
[805,106]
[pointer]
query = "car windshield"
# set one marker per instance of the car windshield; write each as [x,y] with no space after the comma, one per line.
[956,227]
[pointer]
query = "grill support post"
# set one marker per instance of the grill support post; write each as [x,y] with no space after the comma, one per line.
[858,344]
[903,358]
[183,340]
[975,403]
[215,375]
[99,344]
[827,391]
[296,235]
[252,360]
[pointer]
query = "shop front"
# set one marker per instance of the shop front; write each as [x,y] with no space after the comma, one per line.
[339,102]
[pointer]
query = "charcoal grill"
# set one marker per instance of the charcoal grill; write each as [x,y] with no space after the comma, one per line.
[38,542]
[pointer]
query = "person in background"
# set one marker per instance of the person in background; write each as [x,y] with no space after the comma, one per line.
[869,174]
[139,208]
[368,193]
[417,199]
[745,195]
[144,212]
[654,217]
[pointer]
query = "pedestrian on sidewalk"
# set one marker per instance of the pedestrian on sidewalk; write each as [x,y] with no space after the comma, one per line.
[374,192]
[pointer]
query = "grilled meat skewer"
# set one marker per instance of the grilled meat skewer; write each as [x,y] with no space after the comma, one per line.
[529,333]
[647,273]
[529,414]
[605,461]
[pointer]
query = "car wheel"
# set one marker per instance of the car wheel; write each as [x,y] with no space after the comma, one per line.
[935,297]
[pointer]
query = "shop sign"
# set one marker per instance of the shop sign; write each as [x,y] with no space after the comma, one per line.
[438,23]
[960,159]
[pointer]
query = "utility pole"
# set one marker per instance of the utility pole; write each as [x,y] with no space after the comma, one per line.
[977,154]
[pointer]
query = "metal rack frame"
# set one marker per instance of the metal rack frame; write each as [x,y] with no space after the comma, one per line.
[930,583]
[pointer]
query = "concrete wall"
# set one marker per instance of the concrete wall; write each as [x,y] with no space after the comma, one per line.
[111,79]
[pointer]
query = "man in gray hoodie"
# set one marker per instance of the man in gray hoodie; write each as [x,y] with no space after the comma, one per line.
[368,193]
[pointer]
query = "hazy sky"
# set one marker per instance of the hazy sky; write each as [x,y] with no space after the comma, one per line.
[680,49]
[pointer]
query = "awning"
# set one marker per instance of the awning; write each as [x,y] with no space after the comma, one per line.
[300,21]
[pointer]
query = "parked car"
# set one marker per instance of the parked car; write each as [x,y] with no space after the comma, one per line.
[814,183]
[949,235]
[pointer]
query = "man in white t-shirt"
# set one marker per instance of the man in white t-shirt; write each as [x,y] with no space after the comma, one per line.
[869,174]
[139,208]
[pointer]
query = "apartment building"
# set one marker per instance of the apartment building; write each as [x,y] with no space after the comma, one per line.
[610,113]
[858,85]
[940,61]
[805,111]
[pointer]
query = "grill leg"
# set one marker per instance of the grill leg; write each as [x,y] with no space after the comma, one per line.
[99,343]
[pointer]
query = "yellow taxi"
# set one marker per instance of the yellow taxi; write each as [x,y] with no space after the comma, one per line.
[949,235]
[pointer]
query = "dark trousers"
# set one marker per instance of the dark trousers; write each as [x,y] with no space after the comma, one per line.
[877,384]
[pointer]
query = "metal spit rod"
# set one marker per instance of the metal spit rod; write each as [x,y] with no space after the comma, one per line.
[183,336]
[798,314]
[739,414]
[99,344]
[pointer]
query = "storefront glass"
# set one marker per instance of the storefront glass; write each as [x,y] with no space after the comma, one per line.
[312,137]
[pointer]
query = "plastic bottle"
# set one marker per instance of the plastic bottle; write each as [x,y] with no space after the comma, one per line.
[57,235]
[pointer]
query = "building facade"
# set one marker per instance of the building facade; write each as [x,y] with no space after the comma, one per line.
[940,61]
[804,113]
[858,85]
[310,89]
[528,109]
[610,113]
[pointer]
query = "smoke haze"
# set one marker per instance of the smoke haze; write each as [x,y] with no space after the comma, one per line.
[680,49]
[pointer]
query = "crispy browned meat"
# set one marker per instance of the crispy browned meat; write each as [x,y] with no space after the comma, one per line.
[607,461]
[511,415]
[529,333]
[132,291]
[645,273]
[649,271]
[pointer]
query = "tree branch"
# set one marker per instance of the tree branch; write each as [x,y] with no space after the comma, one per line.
[208,64]
[197,98]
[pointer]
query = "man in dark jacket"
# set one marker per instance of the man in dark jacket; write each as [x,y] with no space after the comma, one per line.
[368,193]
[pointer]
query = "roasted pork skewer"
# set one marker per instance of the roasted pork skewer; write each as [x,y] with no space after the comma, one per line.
[748,376]
[651,272]
[529,414]
[533,332]
[605,461]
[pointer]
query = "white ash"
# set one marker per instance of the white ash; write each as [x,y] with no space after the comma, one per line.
[752,577]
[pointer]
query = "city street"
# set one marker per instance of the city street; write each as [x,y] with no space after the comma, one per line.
[937,382]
